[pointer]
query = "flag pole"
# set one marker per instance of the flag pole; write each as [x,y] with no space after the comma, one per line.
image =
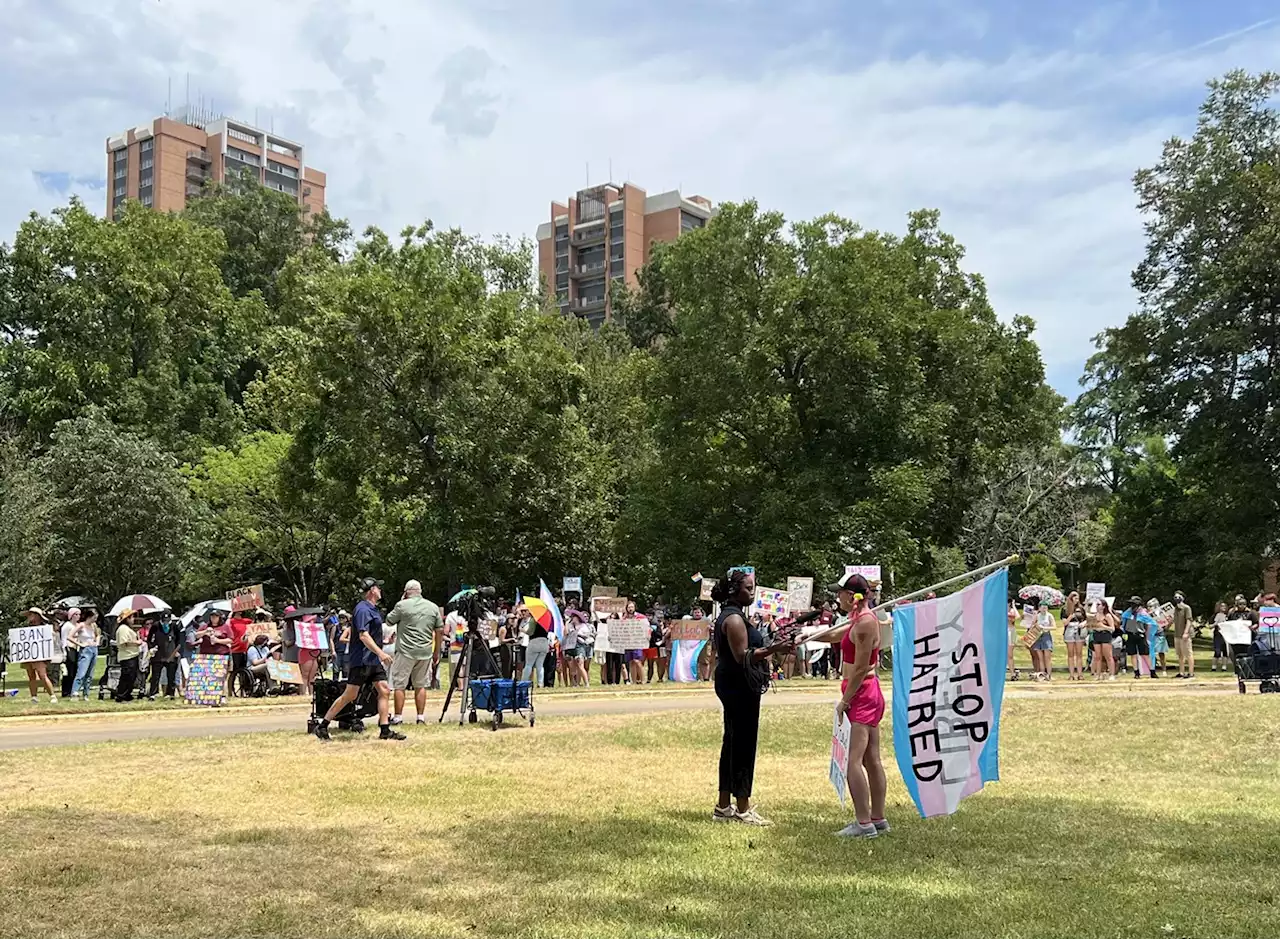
[1011,559]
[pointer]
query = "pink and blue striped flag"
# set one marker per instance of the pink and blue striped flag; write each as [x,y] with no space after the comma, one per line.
[949,658]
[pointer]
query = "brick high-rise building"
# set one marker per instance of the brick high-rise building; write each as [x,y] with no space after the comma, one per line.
[604,235]
[164,163]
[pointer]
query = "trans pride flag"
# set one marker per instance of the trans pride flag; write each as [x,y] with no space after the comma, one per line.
[949,659]
[684,659]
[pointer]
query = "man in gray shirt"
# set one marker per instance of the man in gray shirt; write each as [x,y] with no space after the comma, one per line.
[419,632]
[1183,631]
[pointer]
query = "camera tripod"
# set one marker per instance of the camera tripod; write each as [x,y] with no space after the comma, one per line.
[476,661]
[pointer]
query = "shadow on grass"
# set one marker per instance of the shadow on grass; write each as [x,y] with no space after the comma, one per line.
[1001,867]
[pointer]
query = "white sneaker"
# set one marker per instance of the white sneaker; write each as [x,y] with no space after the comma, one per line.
[53,699]
[396,721]
[752,817]
[856,830]
[726,814]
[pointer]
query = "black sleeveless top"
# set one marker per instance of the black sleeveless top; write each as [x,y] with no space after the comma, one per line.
[727,667]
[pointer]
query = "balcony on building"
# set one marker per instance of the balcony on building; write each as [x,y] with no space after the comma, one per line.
[589,233]
[587,304]
[591,267]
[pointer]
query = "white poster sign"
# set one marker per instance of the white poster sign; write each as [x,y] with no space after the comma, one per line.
[1094,592]
[800,593]
[573,585]
[628,634]
[31,644]
[870,571]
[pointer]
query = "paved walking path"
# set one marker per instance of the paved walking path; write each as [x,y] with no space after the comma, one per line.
[18,733]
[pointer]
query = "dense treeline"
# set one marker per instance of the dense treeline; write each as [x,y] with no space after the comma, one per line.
[241,394]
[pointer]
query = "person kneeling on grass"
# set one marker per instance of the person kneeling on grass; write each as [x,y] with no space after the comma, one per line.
[368,663]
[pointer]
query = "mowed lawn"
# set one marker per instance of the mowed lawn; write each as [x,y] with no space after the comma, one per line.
[1154,815]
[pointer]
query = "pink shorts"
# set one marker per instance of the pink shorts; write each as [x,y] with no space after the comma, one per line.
[867,706]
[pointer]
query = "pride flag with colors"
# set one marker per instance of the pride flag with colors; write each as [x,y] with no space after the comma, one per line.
[949,658]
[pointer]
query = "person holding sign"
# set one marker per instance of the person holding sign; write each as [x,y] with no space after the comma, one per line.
[742,676]
[38,672]
[862,700]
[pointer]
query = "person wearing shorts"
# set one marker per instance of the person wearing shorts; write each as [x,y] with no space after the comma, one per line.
[419,639]
[1042,648]
[1135,622]
[1074,634]
[862,701]
[1102,624]
[368,664]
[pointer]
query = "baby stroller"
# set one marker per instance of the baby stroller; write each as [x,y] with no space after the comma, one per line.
[1256,657]
[349,718]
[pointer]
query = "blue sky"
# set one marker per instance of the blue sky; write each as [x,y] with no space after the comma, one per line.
[1023,122]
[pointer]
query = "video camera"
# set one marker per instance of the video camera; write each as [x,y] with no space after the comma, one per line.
[473,603]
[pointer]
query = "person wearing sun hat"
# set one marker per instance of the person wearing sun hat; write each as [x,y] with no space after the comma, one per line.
[128,649]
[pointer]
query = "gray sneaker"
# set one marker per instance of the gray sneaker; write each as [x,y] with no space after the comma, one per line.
[855,830]
[881,825]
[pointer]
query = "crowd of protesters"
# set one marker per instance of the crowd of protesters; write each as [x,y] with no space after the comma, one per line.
[134,655]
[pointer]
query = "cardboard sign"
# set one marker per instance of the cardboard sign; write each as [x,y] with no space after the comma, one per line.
[311,635]
[206,682]
[31,644]
[287,672]
[870,571]
[800,591]
[270,629]
[695,630]
[1033,633]
[841,732]
[573,585]
[1094,592]
[628,634]
[599,591]
[246,598]
[770,601]
[610,605]
[705,586]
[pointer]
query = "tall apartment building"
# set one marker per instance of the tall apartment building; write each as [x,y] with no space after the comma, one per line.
[604,235]
[164,163]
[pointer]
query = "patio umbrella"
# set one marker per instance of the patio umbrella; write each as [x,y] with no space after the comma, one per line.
[140,603]
[1051,596]
[202,609]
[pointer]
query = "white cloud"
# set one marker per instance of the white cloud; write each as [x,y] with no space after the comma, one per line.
[479,116]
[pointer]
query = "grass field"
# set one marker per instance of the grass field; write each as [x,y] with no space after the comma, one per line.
[1123,815]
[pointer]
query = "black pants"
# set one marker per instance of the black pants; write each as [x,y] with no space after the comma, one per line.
[69,671]
[128,678]
[171,679]
[741,733]
[613,668]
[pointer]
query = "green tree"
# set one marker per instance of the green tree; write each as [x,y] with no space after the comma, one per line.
[131,316]
[1041,570]
[288,526]
[430,370]
[820,395]
[120,517]
[24,519]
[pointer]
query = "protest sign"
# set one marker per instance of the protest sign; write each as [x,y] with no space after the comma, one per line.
[627,634]
[268,628]
[311,635]
[690,630]
[1164,615]
[207,679]
[770,601]
[1032,634]
[949,658]
[246,598]
[1269,618]
[573,585]
[1094,592]
[287,672]
[800,592]
[31,644]
[705,586]
[603,642]
[870,571]
[599,591]
[841,732]
[610,605]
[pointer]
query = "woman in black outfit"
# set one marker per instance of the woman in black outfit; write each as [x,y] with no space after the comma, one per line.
[738,645]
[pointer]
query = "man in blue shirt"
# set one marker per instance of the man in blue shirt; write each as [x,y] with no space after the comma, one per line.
[366,663]
[1136,623]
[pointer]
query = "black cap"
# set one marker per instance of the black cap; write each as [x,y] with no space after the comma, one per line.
[853,582]
[1135,601]
[369,583]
